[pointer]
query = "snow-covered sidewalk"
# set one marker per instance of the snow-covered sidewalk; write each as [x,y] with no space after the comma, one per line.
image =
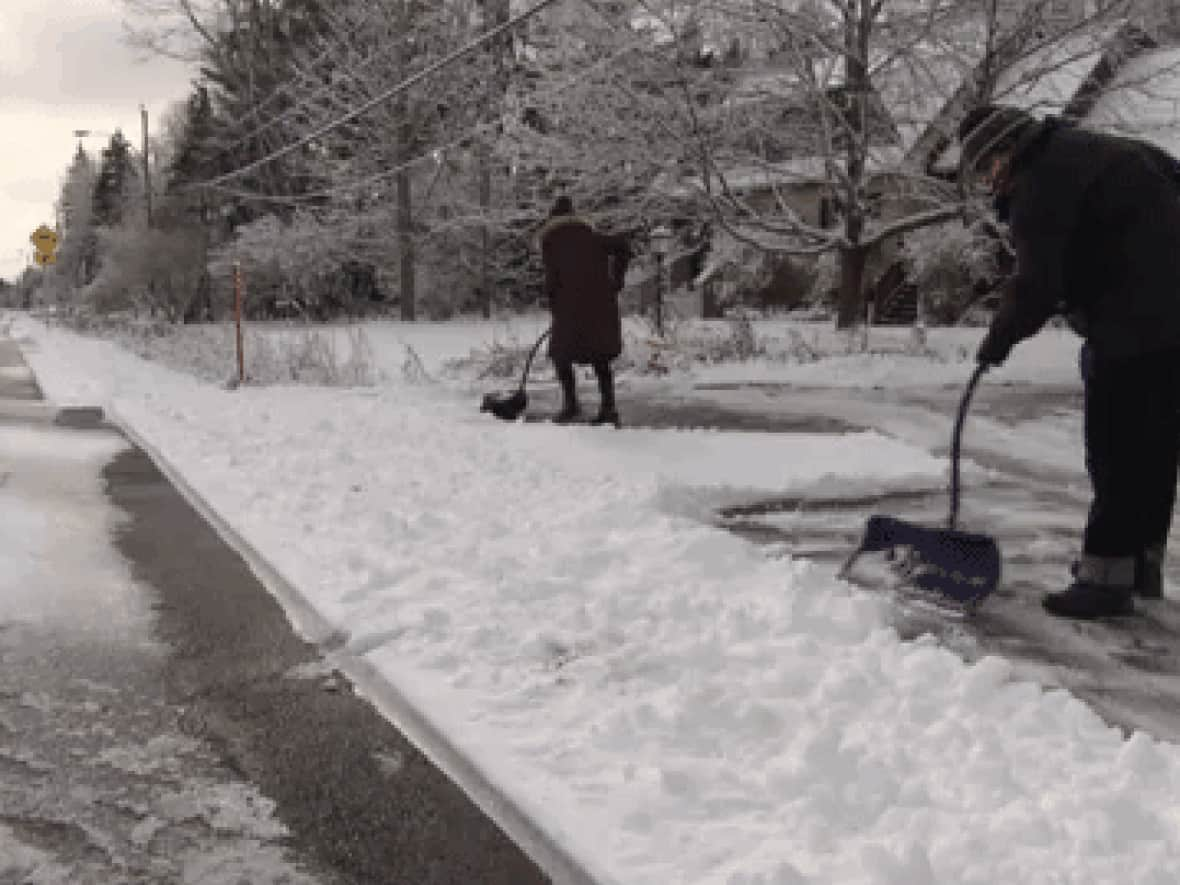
[670,703]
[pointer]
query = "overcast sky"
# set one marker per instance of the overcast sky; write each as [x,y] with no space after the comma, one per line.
[64,65]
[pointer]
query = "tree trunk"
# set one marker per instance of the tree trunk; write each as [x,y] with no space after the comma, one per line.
[405,233]
[498,12]
[485,245]
[858,23]
[710,309]
[850,303]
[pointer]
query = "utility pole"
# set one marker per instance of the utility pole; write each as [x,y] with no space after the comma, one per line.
[501,53]
[147,173]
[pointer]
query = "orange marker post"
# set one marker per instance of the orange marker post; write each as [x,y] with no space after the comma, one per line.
[238,319]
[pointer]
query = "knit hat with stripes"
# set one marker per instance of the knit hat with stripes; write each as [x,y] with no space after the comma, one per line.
[987,130]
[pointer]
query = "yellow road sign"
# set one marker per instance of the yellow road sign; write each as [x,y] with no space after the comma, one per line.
[44,238]
[44,258]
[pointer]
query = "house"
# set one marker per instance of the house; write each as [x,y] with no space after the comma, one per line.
[1115,77]
[1058,58]
[787,178]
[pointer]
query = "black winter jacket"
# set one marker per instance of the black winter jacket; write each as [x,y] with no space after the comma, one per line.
[1095,221]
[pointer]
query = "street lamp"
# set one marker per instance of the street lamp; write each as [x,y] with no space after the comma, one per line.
[661,243]
[86,133]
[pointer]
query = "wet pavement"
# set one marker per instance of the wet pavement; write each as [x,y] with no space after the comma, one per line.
[159,720]
[99,781]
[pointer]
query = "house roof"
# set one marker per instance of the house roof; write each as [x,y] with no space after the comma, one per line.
[916,85]
[743,178]
[1143,100]
[1046,80]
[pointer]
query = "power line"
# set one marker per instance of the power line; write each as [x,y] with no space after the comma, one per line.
[283,89]
[366,181]
[472,132]
[413,80]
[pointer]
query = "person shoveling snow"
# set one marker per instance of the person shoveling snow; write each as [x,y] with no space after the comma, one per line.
[1095,220]
[584,272]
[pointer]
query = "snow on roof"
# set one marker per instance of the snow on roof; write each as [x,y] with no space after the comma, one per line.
[1044,81]
[766,82]
[1143,101]
[915,87]
[797,171]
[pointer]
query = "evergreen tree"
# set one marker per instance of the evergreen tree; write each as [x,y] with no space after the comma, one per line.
[76,256]
[247,74]
[116,182]
[195,156]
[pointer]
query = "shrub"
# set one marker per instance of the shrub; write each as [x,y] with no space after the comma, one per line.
[946,263]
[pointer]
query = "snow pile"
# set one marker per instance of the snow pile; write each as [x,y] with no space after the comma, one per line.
[668,701]
[20,862]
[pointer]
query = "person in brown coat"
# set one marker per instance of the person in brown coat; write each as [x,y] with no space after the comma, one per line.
[584,272]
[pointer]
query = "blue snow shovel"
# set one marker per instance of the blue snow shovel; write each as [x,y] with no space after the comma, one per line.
[959,567]
[510,407]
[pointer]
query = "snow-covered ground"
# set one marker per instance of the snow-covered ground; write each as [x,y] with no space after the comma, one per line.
[669,702]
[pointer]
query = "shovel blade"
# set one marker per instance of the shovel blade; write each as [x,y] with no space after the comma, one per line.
[963,567]
[506,408]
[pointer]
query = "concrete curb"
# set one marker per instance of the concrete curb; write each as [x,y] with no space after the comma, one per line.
[554,859]
[41,412]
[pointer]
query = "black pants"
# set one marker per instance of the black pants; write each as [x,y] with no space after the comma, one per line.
[569,384]
[1132,431]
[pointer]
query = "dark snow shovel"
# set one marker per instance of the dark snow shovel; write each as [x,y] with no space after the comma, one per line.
[509,407]
[953,565]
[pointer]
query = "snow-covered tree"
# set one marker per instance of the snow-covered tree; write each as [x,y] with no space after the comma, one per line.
[825,139]
[77,248]
[801,127]
[241,108]
[117,183]
[390,170]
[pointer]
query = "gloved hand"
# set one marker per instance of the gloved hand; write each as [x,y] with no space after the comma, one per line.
[993,350]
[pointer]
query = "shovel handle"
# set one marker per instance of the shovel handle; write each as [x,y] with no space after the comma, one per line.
[957,439]
[528,364]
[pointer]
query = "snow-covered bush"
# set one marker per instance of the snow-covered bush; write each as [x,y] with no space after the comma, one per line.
[290,268]
[946,262]
[145,271]
[310,356]
[501,359]
[271,356]
[826,279]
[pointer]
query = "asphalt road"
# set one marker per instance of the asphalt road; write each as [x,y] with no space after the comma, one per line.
[159,720]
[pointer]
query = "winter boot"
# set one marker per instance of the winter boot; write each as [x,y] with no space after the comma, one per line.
[607,413]
[570,410]
[1103,588]
[1149,572]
